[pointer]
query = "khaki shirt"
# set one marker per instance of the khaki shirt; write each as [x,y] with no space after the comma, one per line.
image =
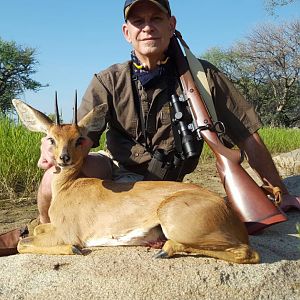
[124,136]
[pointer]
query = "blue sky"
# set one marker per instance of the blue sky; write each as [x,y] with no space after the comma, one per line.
[75,39]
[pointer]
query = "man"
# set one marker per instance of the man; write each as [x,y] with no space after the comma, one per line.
[146,79]
[140,134]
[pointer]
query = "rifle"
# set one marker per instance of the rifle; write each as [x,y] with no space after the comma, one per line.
[244,195]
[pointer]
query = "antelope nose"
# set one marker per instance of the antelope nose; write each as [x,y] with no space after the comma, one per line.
[65,158]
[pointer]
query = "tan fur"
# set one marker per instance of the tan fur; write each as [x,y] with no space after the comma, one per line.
[89,211]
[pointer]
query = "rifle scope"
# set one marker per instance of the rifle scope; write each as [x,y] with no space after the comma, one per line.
[187,139]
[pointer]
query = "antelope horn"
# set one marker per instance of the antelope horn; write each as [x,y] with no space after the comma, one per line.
[56,110]
[75,110]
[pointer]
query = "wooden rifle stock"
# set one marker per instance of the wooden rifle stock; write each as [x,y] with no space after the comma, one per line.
[250,202]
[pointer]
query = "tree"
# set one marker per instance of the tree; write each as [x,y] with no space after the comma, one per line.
[236,69]
[273,53]
[271,5]
[265,66]
[17,64]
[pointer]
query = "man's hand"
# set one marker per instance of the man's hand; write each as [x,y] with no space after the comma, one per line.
[46,160]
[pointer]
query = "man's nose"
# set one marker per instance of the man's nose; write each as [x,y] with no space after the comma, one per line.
[148,27]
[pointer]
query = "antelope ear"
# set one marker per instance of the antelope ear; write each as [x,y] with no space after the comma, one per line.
[95,119]
[33,119]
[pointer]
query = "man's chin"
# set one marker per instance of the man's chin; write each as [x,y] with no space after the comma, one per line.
[152,53]
[152,48]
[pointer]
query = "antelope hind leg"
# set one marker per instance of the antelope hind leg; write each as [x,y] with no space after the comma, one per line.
[46,243]
[241,254]
[200,222]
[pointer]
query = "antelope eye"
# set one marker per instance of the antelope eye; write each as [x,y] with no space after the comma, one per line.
[79,141]
[51,140]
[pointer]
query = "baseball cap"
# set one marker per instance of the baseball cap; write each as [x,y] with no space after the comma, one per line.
[162,4]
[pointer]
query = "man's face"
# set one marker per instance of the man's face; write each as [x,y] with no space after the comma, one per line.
[149,30]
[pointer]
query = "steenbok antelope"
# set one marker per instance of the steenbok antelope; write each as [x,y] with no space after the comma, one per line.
[88,212]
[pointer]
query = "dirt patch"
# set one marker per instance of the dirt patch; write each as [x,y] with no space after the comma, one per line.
[16,213]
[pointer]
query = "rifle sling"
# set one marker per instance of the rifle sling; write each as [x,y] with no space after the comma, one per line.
[199,77]
[140,111]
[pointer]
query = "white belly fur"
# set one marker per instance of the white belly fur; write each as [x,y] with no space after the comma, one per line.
[137,237]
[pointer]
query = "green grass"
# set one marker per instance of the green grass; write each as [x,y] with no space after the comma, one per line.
[277,140]
[298,231]
[280,140]
[19,148]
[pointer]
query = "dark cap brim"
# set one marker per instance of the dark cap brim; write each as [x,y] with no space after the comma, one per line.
[129,7]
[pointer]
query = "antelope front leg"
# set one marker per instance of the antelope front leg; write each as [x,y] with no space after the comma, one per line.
[45,241]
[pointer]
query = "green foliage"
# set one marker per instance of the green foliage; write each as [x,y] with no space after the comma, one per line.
[53,118]
[19,154]
[102,144]
[17,65]
[217,57]
[298,228]
[280,140]
[298,231]
[277,140]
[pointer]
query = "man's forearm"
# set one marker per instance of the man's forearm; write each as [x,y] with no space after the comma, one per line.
[260,160]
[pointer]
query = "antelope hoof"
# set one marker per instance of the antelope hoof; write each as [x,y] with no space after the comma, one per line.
[76,250]
[161,254]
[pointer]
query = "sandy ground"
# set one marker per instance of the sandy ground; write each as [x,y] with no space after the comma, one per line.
[132,273]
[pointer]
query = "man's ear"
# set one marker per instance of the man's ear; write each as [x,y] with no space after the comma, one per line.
[95,119]
[33,119]
[172,25]
[126,33]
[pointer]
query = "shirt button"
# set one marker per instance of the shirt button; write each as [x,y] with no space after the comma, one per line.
[136,154]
